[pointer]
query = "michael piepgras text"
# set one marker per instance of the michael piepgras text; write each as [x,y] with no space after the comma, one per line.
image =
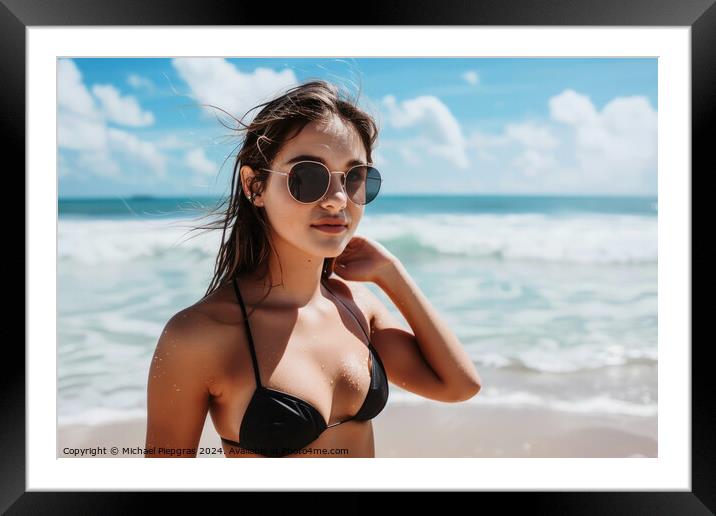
[99,451]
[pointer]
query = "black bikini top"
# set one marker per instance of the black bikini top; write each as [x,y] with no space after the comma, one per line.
[277,423]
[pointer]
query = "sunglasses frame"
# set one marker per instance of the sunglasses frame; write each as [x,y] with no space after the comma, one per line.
[343,181]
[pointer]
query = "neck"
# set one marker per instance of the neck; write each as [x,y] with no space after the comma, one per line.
[295,276]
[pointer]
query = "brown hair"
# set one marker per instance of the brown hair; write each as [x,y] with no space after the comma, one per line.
[248,246]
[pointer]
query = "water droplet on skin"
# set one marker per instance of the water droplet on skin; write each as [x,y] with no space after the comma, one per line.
[323,366]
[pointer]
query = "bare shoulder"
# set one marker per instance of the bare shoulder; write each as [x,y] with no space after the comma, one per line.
[189,334]
[190,325]
[198,334]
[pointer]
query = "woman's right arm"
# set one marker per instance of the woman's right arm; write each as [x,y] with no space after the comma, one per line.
[178,388]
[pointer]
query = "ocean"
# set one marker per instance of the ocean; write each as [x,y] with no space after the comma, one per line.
[554,298]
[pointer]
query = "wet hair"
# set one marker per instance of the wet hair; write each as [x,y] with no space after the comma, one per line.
[247,249]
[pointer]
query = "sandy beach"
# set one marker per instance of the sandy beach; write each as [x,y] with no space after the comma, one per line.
[433,429]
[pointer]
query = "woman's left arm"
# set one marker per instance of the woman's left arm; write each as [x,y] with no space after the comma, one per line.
[438,344]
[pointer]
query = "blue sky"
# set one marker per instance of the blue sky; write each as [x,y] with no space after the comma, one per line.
[584,126]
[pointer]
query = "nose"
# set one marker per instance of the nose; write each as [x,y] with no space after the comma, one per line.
[336,193]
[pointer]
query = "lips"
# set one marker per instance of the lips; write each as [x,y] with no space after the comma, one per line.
[330,223]
[331,228]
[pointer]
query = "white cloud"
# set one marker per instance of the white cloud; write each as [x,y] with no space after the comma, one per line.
[616,147]
[197,160]
[612,151]
[71,92]
[481,140]
[532,135]
[82,127]
[471,77]
[217,82]
[138,82]
[145,152]
[121,110]
[440,132]
[99,162]
[532,162]
[572,108]
[533,143]
[172,141]
[528,134]
[80,133]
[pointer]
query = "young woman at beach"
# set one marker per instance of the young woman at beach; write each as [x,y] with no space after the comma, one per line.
[299,368]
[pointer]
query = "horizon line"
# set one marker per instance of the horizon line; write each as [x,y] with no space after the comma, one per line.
[416,194]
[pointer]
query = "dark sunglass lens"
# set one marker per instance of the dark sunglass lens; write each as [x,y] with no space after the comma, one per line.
[308,181]
[363,184]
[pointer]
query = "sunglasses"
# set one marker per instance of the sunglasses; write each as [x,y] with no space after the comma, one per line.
[308,181]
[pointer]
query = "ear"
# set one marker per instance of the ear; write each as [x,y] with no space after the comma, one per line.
[245,175]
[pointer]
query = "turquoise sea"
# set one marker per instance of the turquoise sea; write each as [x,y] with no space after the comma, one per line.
[555,298]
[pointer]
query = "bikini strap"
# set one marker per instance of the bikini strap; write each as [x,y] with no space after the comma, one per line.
[325,283]
[341,422]
[248,332]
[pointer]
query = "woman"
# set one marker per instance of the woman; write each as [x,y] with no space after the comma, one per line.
[288,369]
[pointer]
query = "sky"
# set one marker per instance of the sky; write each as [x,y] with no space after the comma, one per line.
[498,126]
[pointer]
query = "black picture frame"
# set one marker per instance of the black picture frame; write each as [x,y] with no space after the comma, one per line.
[700,15]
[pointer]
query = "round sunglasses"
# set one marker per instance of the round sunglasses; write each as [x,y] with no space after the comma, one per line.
[308,181]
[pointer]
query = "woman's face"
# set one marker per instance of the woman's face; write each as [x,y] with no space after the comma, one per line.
[334,143]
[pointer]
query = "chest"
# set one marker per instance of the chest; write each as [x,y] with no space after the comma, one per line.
[319,356]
